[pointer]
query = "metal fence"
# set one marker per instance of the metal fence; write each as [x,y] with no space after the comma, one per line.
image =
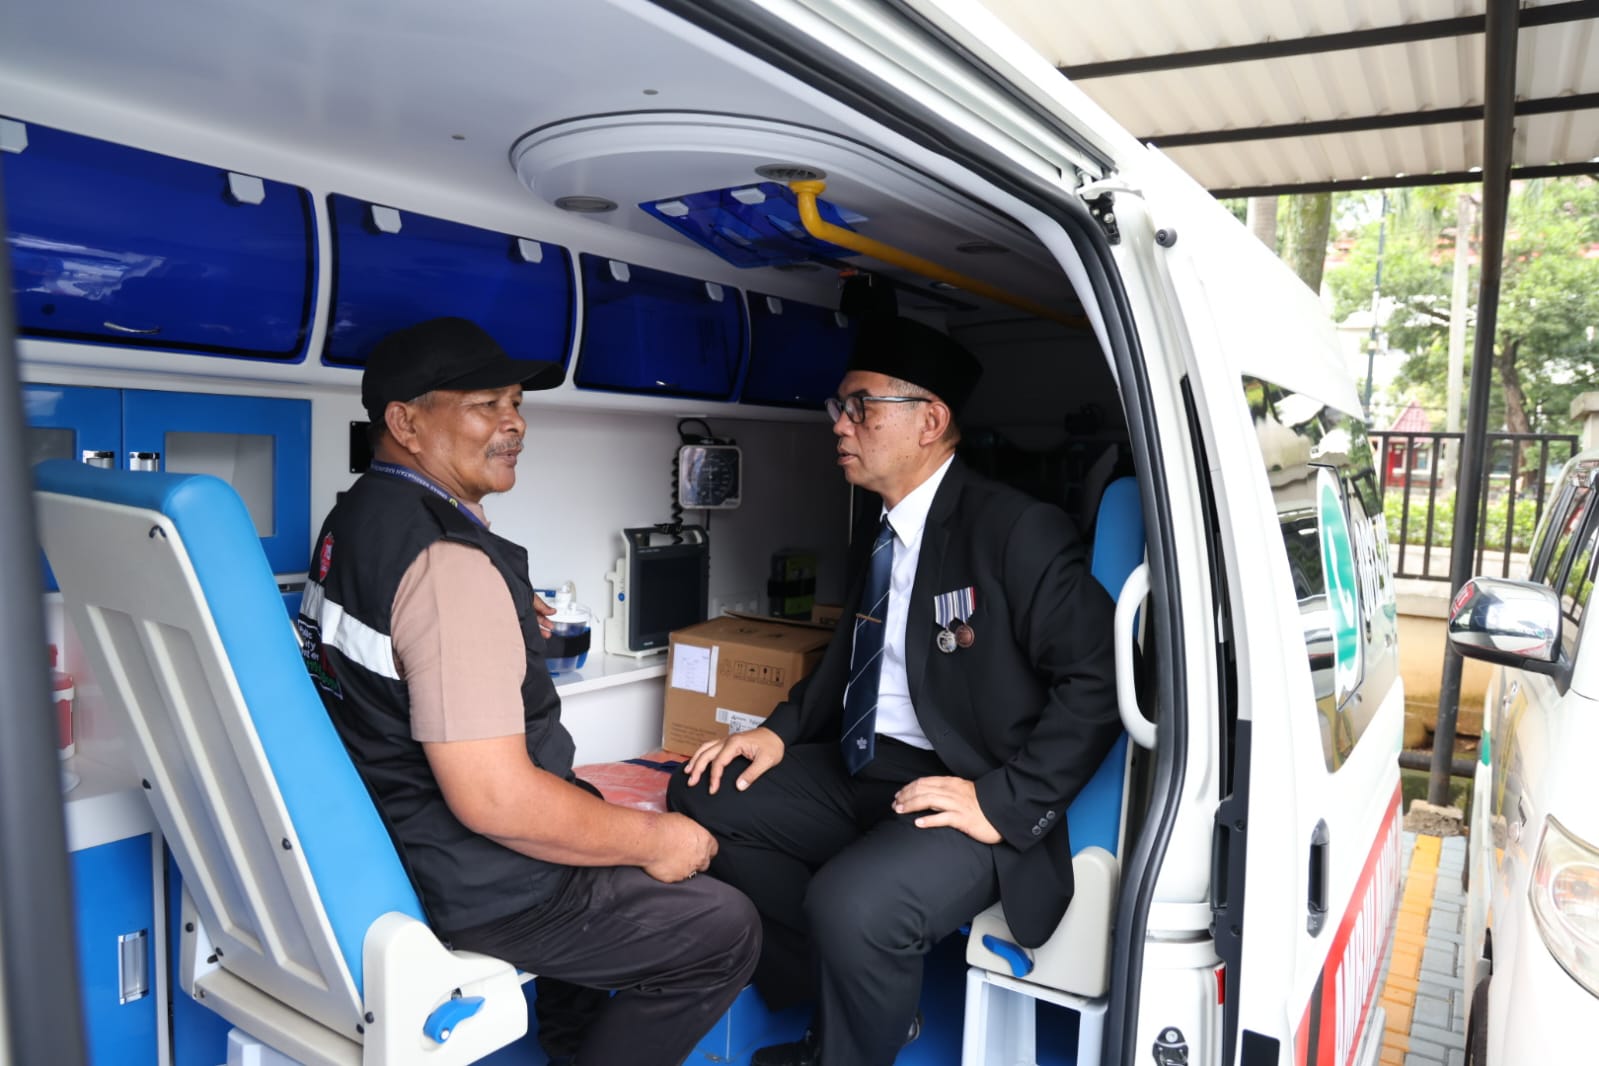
[1419,471]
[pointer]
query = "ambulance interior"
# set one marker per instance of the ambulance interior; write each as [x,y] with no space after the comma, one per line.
[599,184]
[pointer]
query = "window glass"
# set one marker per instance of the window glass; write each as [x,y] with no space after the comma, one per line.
[1554,522]
[1563,524]
[1323,479]
[1578,583]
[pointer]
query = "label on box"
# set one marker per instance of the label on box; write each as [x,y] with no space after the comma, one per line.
[691,668]
[736,721]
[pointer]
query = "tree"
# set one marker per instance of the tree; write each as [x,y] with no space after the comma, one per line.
[1305,224]
[1545,345]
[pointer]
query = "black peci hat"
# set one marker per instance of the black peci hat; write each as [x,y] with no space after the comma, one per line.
[906,349]
[445,353]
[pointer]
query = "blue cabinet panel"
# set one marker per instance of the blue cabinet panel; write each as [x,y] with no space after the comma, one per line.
[114,892]
[64,422]
[650,331]
[112,244]
[517,289]
[199,1035]
[798,352]
[259,445]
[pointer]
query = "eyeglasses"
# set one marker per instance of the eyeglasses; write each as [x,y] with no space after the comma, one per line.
[854,405]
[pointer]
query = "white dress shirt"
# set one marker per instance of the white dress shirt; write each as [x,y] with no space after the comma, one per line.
[895,716]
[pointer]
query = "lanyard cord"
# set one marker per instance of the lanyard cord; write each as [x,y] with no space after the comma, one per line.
[378,466]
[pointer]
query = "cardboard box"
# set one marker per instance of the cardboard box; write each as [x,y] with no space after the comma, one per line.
[827,614]
[726,675]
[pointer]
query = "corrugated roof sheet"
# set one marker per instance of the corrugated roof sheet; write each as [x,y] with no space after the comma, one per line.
[1291,119]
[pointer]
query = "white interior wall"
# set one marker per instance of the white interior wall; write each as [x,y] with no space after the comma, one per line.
[583,477]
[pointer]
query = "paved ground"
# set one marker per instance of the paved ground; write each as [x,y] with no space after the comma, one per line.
[1421,994]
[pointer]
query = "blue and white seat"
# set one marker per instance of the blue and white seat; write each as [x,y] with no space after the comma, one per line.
[306,933]
[1072,968]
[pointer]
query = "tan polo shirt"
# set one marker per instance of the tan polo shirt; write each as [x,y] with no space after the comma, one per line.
[458,646]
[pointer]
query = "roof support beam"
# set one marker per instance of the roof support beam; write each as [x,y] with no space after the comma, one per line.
[1497,129]
[1366,123]
[1545,15]
[1405,181]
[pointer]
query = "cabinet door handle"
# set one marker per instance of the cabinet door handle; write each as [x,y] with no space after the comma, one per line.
[133,970]
[120,328]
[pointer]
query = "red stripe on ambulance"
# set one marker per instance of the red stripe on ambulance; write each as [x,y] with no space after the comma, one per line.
[1348,984]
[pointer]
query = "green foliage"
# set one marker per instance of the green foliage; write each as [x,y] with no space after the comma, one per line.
[1549,292]
[1443,519]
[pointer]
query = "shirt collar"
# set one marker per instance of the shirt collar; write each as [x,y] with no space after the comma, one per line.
[909,516]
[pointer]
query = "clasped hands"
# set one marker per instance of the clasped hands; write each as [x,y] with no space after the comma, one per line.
[949,801]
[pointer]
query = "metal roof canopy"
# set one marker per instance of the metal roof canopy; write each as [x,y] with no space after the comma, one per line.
[1306,100]
[1260,98]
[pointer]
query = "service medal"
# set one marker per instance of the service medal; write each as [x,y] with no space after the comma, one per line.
[947,641]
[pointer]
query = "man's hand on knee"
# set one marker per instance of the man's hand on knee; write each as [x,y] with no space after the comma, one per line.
[762,747]
[954,803]
[685,849]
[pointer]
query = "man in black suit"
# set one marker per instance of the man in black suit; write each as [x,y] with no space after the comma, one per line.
[925,767]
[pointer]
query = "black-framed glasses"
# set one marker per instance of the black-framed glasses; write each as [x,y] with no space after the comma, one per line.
[854,405]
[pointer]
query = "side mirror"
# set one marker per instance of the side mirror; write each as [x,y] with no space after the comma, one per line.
[1510,623]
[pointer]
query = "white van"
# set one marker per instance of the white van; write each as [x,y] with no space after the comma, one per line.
[214,208]
[1532,965]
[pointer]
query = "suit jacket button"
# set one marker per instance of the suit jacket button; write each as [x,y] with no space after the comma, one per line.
[1049,816]
[1037,831]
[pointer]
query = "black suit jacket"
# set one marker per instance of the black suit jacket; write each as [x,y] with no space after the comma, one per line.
[1027,712]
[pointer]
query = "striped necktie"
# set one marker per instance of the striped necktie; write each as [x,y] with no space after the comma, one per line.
[866,656]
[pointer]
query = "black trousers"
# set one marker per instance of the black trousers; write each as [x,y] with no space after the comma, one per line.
[676,956]
[851,895]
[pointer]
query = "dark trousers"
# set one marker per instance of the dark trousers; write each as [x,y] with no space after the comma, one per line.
[851,895]
[676,957]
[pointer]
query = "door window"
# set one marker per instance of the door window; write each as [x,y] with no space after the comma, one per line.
[1577,585]
[1322,474]
[1553,539]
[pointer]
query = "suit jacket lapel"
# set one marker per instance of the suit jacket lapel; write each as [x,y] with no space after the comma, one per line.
[929,570]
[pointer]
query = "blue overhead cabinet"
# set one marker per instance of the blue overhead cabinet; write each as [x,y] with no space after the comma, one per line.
[114,245]
[798,352]
[396,268]
[664,334]
[752,225]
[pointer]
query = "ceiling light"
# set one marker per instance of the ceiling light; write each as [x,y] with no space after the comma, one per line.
[787,172]
[586,205]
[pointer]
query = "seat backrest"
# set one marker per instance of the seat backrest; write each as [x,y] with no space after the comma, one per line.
[172,598]
[1096,816]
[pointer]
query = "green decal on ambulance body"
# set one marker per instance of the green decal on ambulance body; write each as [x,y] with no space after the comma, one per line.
[1343,599]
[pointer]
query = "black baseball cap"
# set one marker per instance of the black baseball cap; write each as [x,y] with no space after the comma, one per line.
[445,353]
[910,351]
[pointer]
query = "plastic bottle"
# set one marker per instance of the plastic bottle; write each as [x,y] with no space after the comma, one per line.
[571,633]
[63,693]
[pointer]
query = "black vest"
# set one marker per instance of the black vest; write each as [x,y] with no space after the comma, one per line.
[369,540]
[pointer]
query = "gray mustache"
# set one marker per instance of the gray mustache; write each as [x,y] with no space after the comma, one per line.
[508,447]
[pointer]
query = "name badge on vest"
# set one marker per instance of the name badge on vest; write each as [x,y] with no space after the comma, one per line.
[951,611]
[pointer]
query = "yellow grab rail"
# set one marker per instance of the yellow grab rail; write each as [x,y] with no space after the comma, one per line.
[806,192]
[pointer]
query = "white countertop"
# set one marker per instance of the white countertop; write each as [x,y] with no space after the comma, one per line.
[604,671]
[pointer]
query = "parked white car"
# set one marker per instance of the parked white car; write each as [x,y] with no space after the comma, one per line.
[1532,915]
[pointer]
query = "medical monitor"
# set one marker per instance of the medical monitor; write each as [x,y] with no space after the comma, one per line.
[661,583]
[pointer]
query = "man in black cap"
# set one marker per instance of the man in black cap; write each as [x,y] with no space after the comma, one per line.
[924,769]
[421,629]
